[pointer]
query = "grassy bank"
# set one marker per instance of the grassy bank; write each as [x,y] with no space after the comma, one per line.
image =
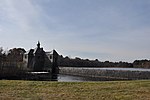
[44,90]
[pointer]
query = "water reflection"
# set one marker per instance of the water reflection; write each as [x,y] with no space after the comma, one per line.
[72,78]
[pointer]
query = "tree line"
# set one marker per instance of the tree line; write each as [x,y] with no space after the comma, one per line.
[78,62]
[11,63]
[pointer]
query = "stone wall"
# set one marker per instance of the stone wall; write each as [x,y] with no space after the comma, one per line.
[105,73]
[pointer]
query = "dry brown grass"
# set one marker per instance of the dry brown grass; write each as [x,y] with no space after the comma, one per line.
[44,90]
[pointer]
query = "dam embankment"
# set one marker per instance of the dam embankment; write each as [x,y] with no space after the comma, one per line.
[109,73]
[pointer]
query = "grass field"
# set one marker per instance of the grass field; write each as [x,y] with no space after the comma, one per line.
[45,90]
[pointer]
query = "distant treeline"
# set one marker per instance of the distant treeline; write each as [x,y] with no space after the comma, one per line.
[78,62]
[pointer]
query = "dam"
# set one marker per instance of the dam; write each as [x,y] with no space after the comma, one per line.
[107,73]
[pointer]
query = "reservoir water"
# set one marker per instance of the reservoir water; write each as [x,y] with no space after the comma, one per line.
[72,78]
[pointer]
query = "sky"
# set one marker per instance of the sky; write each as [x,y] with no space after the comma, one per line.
[108,30]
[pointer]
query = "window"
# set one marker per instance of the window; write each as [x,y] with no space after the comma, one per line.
[25,56]
[50,56]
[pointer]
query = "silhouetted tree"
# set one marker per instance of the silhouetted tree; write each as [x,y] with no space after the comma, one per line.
[141,63]
[1,57]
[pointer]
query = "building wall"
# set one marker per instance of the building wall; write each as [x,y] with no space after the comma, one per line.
[39,60]
[43,61]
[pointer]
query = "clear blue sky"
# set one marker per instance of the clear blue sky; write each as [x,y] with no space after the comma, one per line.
[114,30]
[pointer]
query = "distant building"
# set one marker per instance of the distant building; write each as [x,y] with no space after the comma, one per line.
[38,60]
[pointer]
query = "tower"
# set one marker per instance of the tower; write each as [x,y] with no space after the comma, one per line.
[38,45]
[39,60]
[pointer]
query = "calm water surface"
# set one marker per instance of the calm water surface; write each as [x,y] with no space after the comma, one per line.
[71,78]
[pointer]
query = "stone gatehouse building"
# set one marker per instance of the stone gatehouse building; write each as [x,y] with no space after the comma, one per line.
[38,60]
